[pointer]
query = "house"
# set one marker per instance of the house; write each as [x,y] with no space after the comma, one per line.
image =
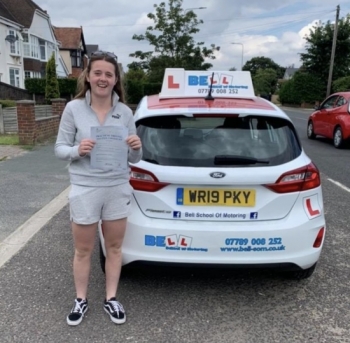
[11,60]
[290,71]
[72,48]
[33,44]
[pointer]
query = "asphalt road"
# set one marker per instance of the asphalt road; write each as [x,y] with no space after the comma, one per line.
[170,305]
[27,183]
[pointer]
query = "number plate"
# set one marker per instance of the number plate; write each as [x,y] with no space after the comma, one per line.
[216,197]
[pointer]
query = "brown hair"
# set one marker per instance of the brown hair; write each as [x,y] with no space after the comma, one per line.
[83,85]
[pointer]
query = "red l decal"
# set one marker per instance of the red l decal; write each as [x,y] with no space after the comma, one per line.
[224,81]
[170,242]
[171,83]
[183,242]
[309,208]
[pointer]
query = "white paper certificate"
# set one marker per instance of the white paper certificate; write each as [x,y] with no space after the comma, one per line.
[111,150]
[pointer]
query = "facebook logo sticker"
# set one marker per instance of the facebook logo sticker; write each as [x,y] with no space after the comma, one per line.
[177,214]
[253,215]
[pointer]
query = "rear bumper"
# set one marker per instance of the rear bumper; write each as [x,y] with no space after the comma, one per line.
[286,243]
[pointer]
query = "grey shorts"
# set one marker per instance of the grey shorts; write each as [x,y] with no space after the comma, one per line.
[90,204]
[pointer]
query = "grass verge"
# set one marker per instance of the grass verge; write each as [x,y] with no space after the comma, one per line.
[9,140]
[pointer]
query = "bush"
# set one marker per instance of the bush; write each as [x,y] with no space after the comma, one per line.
[302,88]
[342,84]
[7,103]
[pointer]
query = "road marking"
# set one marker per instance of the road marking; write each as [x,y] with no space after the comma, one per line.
[340,185]
[300,118]
[19,238]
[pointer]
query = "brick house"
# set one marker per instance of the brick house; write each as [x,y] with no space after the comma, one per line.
[72,48]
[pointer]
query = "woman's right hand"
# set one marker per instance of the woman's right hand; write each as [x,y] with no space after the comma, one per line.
[85,146]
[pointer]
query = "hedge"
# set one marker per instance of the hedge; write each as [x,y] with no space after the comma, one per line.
[7,103]
[37,86]
[302,88]
[342,84]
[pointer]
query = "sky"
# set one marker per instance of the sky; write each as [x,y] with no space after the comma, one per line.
[269,28]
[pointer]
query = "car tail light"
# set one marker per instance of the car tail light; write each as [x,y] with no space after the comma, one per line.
[319,238]
[143,180]
[297,180]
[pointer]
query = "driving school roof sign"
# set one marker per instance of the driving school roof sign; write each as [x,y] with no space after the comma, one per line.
[181,83]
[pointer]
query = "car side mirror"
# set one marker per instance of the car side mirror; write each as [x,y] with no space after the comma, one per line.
[317,108]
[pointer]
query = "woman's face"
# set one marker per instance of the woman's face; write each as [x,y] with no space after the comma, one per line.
[102,78]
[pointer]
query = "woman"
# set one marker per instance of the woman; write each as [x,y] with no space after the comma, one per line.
[97,194]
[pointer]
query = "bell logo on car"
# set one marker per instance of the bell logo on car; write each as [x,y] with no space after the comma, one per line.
[217,175]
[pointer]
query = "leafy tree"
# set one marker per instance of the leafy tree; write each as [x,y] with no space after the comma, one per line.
[316,59]
[52,89]
[265,81]
[233,69]
[262,62]
[173,44]
[342,84]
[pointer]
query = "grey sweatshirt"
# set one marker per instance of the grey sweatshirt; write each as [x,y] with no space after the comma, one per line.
[77,119]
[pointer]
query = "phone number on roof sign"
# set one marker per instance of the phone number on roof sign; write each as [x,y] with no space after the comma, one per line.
[218,91]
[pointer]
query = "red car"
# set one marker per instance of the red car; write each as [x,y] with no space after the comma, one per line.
[331,119]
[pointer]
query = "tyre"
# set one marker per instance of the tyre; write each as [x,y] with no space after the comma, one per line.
[301,274]
[102,259]
[310,130]
[338,140]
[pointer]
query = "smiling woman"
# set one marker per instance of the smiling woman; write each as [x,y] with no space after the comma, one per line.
[98,193]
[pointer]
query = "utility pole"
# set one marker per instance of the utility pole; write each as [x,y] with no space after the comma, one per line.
[330,76]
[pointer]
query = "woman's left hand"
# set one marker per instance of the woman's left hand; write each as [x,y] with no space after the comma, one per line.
[134,142]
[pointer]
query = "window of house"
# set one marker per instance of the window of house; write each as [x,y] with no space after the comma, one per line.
[51,50]
[14,77]
[27,75]
[14,46]
[76,58]
[34,47]
[42,46]
[26,45]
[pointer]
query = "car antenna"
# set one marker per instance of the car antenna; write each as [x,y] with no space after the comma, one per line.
[209,96]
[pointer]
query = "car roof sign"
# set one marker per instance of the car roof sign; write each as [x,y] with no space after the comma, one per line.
[181,83]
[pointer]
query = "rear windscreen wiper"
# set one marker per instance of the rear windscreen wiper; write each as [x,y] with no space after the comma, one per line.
[220,160]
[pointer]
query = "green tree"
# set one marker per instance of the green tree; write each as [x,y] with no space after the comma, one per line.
[316,59]
[265,81]
[233,69]
[172,40]
[52,90]
[261,62]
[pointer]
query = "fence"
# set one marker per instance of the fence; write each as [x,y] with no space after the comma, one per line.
[8,117]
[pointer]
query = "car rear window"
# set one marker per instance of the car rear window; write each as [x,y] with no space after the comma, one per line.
[207,141]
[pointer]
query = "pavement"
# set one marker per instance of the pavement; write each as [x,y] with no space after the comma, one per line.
[34,186]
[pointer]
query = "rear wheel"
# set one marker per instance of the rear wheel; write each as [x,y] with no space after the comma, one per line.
[338,140]
[310,130]
[301,274]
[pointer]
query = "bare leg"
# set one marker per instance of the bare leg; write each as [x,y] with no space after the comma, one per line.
[114,234]
[84,241]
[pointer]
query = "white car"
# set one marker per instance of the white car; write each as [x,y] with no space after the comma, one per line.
[223,180]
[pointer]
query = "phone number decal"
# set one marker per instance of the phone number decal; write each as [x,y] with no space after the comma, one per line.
[253,241]
[218,91]
[253,245]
